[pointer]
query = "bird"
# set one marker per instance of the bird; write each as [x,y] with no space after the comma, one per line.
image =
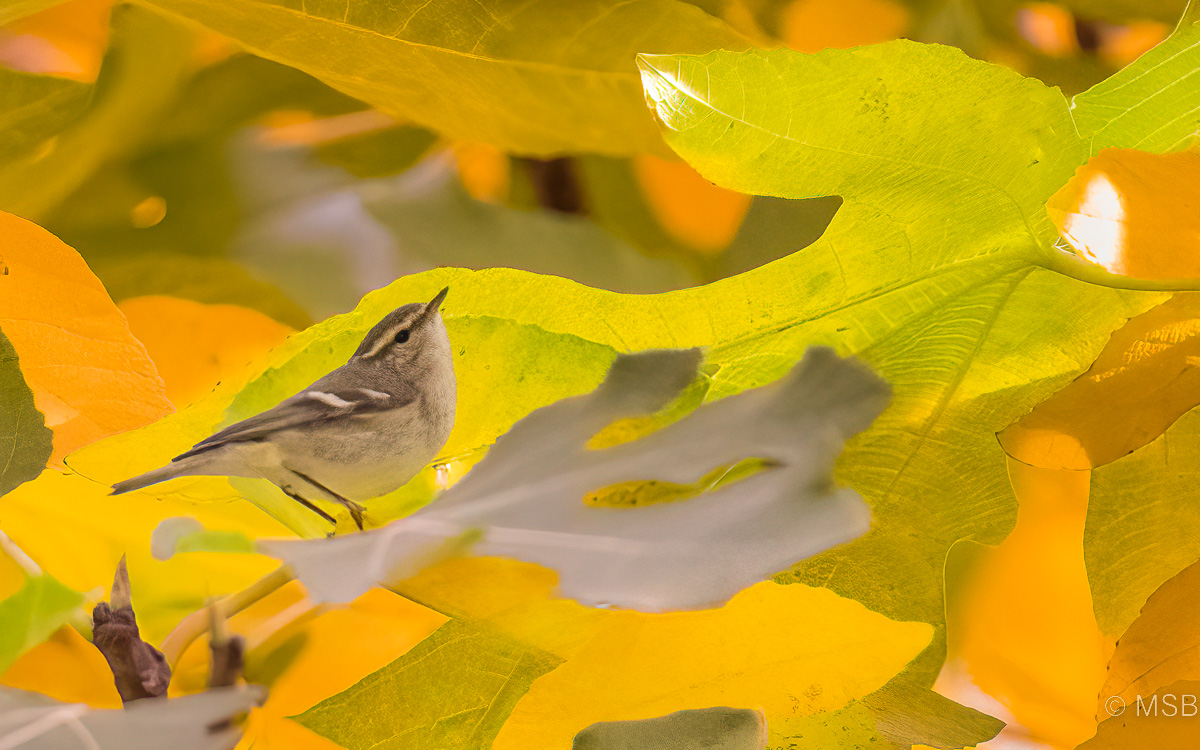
[359,432]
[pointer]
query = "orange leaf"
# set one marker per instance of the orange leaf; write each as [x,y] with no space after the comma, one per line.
[1050,28]
[68,668]
[66,40]
[1168,723]
[89,376]
[692,209]
[194,345]
[1162,645]
[1019,615]
[813,25]
[1145,378]
[484,171]
[1134,213]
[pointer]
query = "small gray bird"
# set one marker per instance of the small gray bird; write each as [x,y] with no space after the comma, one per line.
[360,432]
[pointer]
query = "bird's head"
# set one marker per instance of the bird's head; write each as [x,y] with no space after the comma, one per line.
[411,339]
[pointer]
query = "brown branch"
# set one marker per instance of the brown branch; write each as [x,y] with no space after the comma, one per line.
[139,669]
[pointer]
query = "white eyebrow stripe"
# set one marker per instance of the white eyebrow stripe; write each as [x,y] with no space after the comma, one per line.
[328,398]
[380,346]
[374,394]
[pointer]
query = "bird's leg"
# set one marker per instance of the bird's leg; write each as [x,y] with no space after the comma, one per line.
[356,510]
[287,490]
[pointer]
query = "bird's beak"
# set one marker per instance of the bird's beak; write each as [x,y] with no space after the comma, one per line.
[436,302]
[432,306]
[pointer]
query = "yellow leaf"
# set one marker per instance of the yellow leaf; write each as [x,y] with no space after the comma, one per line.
[194,345]
[1134,213]
[692,209]
[1147,376]
[1163,721]
[89,376]
[791,650]
[814,25]
[1019,615]
[67,668]
[1162,645]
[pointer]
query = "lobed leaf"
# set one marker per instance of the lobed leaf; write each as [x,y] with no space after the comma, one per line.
[939,269]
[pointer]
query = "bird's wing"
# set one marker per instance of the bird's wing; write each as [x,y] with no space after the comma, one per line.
[309,407]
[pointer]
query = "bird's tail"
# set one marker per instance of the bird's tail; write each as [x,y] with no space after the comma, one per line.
[170,471]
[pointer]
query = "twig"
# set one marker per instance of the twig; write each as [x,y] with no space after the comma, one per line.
[197,623]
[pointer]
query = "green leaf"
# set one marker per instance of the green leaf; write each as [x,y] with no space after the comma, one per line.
[1143,523]
[711,728]
[935,271]
[539,79]
[378,153]
[25,441]
[895,717]
[1150,105]
[922,133]
[140,75]
[186,534]
[443,226]
[454,689]
[31,615]
[34,108]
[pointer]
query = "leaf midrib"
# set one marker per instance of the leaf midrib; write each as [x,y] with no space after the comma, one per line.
[542,67]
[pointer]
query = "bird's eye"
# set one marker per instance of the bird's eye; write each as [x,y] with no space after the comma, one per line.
[402,336]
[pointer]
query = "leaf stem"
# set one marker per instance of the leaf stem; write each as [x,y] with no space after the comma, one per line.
[197,623]
[1075,267]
